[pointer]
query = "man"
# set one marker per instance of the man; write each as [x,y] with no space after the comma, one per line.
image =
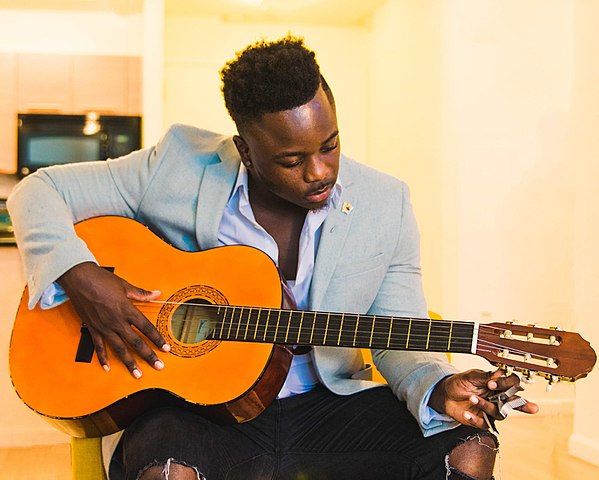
[344,238]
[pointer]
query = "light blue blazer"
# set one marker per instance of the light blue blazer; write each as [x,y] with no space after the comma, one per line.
[368,260]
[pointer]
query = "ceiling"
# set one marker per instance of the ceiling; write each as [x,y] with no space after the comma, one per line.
[332,12]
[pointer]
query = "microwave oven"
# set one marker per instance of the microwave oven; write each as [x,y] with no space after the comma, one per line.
[52,139]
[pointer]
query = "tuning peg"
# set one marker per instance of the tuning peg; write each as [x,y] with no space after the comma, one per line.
[533,325]
[529,337]
[527,357]
[552,340]
[552,380]
[509,370]
[550,362]
[528,377]
[557,327]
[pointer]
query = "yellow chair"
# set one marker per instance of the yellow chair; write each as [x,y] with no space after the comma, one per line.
[86,459]
[86,453]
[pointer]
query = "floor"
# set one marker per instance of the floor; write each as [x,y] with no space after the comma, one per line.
[534,448]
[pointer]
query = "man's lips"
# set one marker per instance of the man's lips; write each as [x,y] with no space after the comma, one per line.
[320,194]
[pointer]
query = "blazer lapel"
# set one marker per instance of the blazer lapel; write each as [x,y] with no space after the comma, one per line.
[334,231]
[215,190]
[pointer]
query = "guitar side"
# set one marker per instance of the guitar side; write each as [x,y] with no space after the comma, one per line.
[230,382]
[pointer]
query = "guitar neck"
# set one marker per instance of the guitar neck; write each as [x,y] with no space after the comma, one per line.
[295,327]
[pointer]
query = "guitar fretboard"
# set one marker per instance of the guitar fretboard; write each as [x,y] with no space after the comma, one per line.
[294,327]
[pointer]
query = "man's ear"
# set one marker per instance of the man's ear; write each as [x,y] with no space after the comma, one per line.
[244,150]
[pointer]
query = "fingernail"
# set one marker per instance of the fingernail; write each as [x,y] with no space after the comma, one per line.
[158,365]
[106,368]
[467,415]
[166,347]
[492,385]
[136,373]
[474,400]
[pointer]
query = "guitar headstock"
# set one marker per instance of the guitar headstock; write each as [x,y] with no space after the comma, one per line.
[548,352]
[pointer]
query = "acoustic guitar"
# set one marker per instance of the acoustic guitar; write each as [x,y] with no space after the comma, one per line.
[230,339]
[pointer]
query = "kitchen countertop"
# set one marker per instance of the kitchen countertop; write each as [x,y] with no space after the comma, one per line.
[7,183]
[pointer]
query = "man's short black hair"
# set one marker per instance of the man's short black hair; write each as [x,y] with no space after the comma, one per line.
[269,77]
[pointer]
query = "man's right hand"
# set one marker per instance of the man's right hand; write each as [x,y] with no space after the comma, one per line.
[103,302]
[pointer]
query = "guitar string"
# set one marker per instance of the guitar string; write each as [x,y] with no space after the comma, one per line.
[314,313]
[145,306]
[361,336]
[422,321]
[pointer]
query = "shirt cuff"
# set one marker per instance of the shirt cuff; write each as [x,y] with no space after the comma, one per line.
[53,296]
[433,422]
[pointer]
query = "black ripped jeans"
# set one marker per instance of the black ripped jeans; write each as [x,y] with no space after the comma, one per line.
[317,435]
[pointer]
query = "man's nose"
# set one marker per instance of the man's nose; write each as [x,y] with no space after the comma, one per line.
[316,169]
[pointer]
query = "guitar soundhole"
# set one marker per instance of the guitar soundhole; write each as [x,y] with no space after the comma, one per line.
[187,320]
[193,321]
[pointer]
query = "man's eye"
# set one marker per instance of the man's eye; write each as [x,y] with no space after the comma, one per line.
[292,164]
[329,148]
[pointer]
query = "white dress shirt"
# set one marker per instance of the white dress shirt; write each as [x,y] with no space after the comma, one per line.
[238,226]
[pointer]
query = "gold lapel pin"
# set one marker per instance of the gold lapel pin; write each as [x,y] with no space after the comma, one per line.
[346,208]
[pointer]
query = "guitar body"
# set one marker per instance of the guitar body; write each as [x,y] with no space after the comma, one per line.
[226,381]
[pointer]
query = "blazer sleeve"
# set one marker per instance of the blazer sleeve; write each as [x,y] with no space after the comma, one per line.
[45,206]
[411,375]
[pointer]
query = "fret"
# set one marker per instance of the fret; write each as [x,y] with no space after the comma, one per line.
[239,323]
[312,330]
[299,330]
[340,329]
[347,337]
[428,334]
[440,332]
[247,324]
[277,327]
[257,323]
[230,323]
[334,326]
[288,325]
[381,330]
[372,330]
[261,324]
[319,331]
[356,329]
[390,330]
[326,330]
[408,336]
[266,325]
[461,337]
[419,331]
[449,336]
[364,330]
[223,320]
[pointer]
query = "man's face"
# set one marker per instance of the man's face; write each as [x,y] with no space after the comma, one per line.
[293,155]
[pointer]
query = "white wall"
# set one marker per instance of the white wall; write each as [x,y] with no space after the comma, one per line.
[71,32]
[498,142]
[583,152]
[196,48]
